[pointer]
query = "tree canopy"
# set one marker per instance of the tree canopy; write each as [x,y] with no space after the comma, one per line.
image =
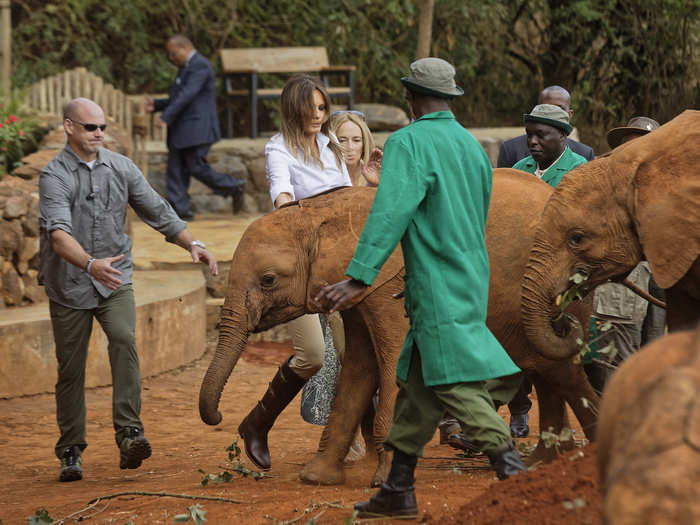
[619,58]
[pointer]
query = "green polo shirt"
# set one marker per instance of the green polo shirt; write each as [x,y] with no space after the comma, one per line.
[568,161]
[433,197]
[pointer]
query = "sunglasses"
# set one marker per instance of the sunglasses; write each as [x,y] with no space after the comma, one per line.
[89,127]
[351,111]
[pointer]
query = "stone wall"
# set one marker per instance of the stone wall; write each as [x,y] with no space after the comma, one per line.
[19,243]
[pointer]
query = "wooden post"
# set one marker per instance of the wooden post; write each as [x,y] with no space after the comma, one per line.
[6,35]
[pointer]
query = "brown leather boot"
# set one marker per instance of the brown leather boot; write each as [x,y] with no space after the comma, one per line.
[254,428]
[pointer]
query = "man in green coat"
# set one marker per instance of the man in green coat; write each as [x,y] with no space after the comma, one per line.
[433,197]
[546,128]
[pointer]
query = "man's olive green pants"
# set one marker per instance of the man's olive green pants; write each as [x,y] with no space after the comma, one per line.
[71,329]
[419,408]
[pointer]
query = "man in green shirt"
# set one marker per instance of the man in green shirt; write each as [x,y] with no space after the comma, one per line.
[433,197]
[546,128]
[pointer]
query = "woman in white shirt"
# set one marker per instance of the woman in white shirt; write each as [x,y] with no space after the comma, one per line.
[303,160]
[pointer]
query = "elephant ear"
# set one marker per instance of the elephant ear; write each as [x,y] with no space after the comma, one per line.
[339,220]
[667,200]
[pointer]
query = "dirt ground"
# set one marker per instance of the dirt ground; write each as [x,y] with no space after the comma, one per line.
[449,488]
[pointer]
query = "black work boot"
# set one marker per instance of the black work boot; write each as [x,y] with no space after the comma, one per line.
[254,428]
[396,497]
[71,465]
[519,425]
[506,461]
[462,442]
[133,449]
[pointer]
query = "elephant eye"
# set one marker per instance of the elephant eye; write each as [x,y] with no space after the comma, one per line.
[575,238]
[268,280]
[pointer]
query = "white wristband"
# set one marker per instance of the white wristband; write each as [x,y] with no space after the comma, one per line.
[89,264]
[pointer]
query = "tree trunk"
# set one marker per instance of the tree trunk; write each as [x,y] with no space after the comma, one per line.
[425,28]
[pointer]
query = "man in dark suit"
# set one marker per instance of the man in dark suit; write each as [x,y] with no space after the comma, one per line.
[516,148]
[193,126]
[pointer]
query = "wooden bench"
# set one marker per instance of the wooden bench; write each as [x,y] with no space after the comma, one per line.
[250,62]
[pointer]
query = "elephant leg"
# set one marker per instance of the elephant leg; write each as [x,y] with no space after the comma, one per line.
[582,399]
[553,418]
[356,385]
[388,332]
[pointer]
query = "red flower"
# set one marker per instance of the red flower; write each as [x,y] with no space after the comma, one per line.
[21,133]
[13,118]
[7,121]
[2,125]
[3,148]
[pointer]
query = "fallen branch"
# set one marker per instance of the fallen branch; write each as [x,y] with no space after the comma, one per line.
[162,495]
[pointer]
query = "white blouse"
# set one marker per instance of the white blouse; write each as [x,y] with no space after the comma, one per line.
[287,173]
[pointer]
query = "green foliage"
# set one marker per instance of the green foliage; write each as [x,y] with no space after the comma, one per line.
[40,517]
[18,133]
[619,59]
[196,512]
[234,465]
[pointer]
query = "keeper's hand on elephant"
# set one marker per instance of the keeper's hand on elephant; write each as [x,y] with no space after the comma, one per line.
[339,296]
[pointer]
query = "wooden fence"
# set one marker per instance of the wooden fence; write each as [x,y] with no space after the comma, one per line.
[50,95]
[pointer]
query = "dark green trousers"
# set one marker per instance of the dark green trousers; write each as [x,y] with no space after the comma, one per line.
[71,330]
[419,408]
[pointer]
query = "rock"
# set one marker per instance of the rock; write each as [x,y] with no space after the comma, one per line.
[10,237]
[32,290]
[12,285]
[28,251]
[35,163]
[15,207]
[250,204]
[381,117]
[30,222]
[258,174]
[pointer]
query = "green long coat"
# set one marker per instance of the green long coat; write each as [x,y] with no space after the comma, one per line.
[433,197]
[568,161]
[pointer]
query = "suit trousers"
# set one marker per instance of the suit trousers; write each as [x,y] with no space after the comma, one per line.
[72,329]
[419,408]
[192,162]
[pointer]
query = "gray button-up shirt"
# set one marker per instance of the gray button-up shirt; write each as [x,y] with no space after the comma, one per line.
[90,205]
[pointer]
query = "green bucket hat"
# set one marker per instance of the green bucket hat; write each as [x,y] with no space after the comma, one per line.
[551,115]
[432,76]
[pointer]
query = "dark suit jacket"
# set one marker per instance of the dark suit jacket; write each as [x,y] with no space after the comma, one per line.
[190,112]
[516,148]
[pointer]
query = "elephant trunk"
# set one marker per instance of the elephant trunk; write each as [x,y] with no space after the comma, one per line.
[233,336]
[553,334]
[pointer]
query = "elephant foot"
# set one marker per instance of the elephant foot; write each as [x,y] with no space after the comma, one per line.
[320,471]
[544,454]
[383,468]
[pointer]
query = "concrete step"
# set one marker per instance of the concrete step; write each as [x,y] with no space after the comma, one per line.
[170,332]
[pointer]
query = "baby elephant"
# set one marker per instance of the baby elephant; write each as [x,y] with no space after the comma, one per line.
[649,435]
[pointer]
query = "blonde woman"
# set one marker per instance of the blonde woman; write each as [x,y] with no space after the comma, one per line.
[301,161]
[357,142]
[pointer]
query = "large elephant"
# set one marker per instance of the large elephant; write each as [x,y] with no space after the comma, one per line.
[641,201]
[649,435]
[285,257]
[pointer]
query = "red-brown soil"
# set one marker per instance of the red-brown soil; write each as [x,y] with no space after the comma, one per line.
[182,444]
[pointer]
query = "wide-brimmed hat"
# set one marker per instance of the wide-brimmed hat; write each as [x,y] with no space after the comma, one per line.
[432,76]
[636,126]
[551,115]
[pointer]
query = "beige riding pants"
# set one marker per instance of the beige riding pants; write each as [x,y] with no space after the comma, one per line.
[309,344]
